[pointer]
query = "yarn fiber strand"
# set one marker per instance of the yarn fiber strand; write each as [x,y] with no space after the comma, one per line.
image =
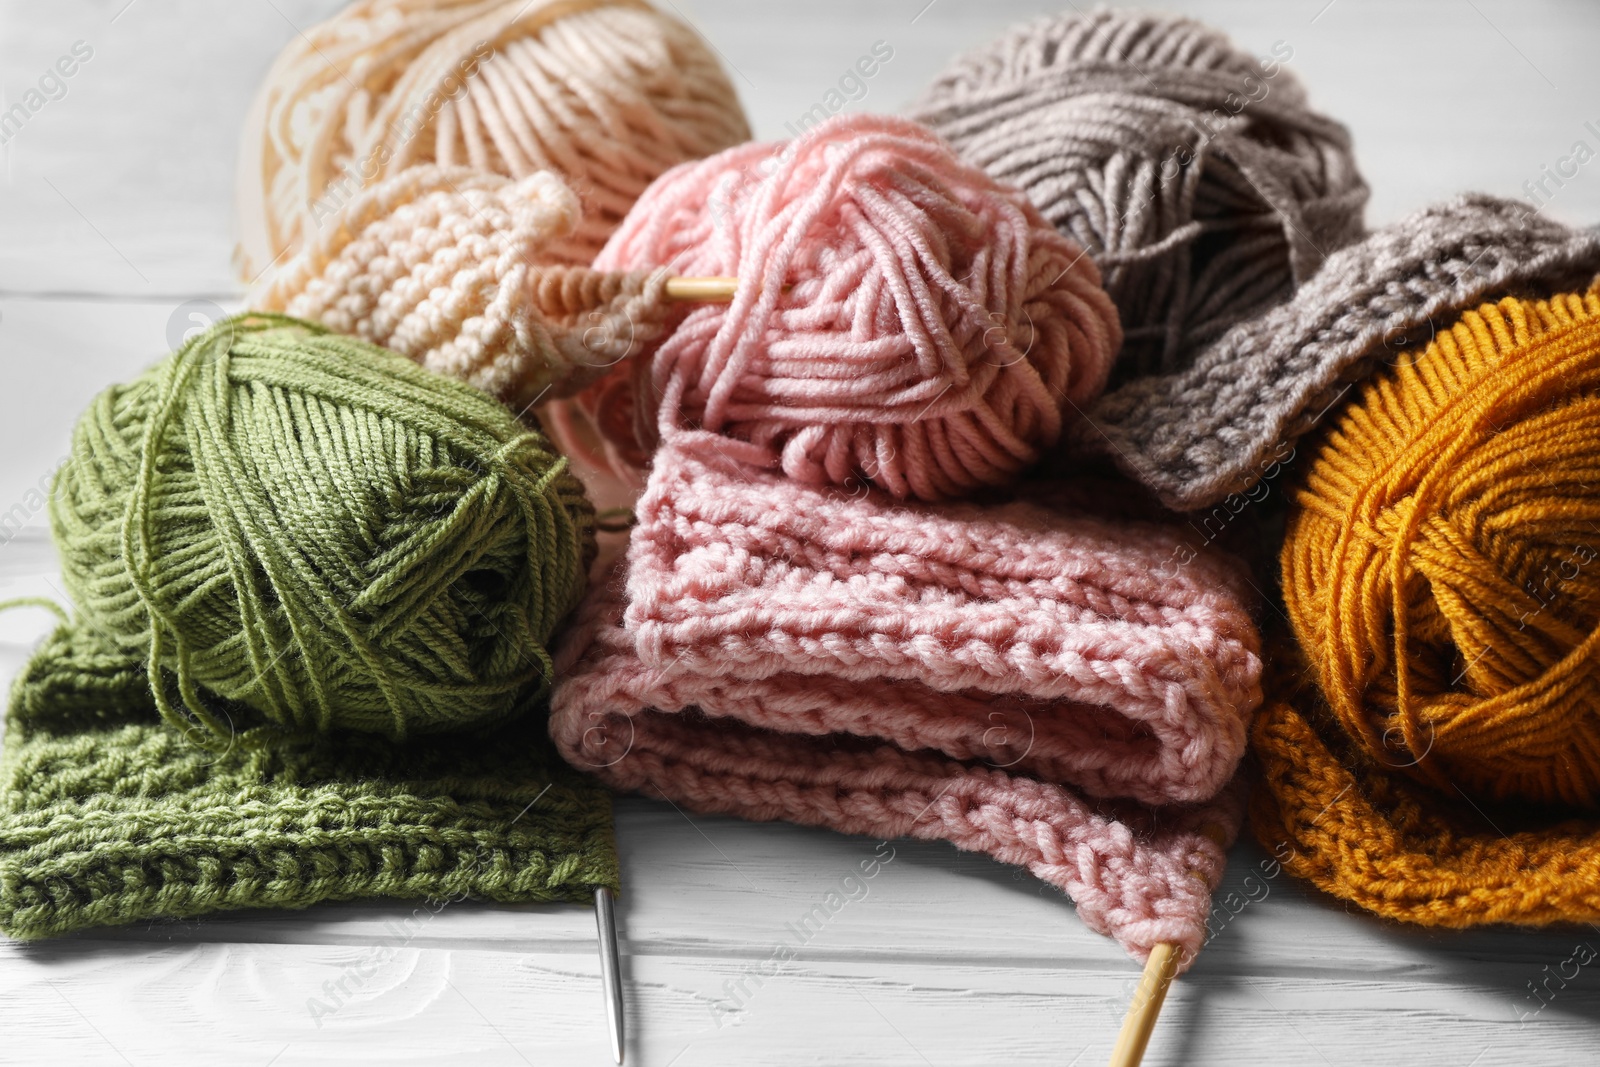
[322,532]
[902,320]
[606,93]
[1196,176]
[1440,573]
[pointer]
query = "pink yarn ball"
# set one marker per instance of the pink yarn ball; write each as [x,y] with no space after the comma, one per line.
[901,319]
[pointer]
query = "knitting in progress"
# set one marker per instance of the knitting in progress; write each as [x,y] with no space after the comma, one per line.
[292,554]
[993,677]
[1196,175]
[1436,759]
[796,633]
[902,320]
[608,94]
[109,816]
[443,264]
[1216,428]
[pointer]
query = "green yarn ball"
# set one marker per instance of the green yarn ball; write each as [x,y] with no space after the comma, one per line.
[299,524]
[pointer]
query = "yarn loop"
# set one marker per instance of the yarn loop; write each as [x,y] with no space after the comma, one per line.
[316,529]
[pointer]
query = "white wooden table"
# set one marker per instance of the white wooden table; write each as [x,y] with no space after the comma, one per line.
[115,209]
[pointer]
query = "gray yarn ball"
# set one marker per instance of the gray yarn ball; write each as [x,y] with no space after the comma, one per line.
[1195,175]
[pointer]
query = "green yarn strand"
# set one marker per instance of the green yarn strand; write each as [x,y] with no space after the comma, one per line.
[300,526]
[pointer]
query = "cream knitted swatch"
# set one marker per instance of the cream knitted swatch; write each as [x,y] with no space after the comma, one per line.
[443,264]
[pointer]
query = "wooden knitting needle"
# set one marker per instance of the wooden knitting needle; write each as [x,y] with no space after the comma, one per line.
[605,917]
[710,290]
[1159,970]
[1145,1008]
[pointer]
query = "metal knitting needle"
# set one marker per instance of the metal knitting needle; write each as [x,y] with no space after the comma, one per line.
[716,290]
[605,917]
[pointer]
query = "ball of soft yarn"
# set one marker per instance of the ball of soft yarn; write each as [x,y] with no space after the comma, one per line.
[902,320]
[1194,173]
[1442,560]
[317,529]
[607,93]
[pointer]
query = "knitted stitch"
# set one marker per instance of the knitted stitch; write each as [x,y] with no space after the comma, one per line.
[1215,428]
[289,551]
[1197,176]
[108,815]
[1354,828]
[606,93]
[902,320]
[1439,571]
[800,653]
[320,533]
[442,264]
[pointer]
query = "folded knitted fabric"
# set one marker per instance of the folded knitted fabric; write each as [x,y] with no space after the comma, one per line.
[109,815]
[1217,427]
[1066,694]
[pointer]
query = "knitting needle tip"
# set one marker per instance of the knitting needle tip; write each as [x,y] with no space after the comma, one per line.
[605,917]
[1145,1007]
[713,290]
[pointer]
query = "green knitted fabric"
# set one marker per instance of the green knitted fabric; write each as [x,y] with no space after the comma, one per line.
[108,815]
[315,585]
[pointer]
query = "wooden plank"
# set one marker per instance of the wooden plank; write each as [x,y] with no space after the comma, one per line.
[91,1001]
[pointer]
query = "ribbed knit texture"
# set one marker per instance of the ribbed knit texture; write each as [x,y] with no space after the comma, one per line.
[443,264]
[108,815]
[1219,426]
[1440,570]
[992,677]
[1196,175]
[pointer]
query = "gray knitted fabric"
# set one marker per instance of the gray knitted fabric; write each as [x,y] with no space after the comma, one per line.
[1216,428]
[1194,174]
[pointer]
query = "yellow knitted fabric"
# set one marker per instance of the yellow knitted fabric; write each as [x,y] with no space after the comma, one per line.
[1431,750]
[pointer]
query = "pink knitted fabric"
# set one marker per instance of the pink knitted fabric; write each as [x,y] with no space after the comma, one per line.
[901,320]
[1063,693]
